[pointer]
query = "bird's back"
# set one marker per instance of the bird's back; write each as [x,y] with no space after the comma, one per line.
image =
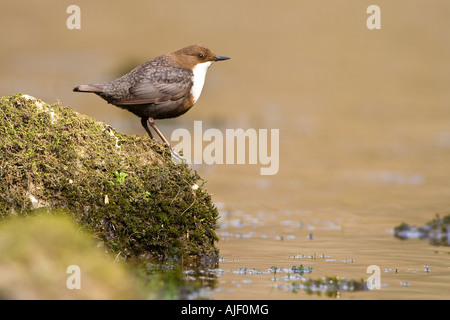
[147,87]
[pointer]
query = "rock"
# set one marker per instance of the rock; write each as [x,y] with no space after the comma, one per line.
[124,189]
[47,257]
[437,231]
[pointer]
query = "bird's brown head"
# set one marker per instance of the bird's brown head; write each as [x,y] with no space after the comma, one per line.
[191,56]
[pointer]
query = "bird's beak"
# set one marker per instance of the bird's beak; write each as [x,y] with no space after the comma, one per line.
[220,58]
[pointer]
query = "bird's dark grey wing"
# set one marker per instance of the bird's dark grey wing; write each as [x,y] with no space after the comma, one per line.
[158,88]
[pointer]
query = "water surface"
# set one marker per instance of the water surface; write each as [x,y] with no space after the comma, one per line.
[363,116]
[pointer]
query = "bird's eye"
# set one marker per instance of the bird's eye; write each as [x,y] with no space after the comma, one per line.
[201,55]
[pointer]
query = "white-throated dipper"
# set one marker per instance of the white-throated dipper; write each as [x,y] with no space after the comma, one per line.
[165,87]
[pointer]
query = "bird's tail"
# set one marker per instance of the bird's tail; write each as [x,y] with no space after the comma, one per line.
[88,88]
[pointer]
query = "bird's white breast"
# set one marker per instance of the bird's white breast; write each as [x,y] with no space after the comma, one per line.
[199,79]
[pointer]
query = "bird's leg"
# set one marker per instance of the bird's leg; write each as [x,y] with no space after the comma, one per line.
[144,124]
[152,124]
[175,156]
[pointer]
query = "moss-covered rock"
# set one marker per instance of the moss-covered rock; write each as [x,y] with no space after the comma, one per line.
[47,257]
[125,189]
[437,231]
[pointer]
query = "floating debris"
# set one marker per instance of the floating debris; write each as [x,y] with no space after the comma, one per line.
[250,271]
[298,256]
[347,260]
[436,231]
[329,286]
[287,237]
[404,283]
[294,269]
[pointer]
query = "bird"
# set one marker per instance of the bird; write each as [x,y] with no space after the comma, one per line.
[165,87]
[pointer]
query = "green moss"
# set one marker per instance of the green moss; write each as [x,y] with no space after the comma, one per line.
[35,255]
[436,231]
[330,286]
[123,188]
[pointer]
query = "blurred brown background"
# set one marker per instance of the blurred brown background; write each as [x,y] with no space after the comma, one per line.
[364,115]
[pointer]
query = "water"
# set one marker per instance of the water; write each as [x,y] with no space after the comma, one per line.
[363,117]
[408,269]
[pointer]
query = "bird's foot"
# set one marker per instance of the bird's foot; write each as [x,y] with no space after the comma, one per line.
[176,158]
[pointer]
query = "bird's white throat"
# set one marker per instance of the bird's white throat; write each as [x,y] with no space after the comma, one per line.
[199,79]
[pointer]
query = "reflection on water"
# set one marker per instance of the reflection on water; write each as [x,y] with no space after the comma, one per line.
[333,262]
